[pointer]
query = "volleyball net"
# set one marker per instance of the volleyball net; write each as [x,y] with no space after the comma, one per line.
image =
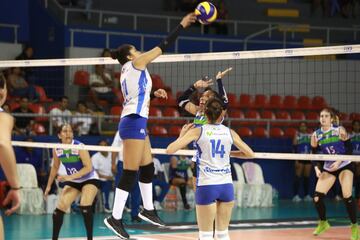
[269,91]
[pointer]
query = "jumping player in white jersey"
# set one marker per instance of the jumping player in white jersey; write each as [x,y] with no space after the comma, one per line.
[81,179]
[7,157]
[214,194]
[333,139]
[136,86]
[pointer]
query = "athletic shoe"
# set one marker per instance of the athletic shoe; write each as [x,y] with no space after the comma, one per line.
[117,227]
[308,198]
[296,198]
[187,207]
[157,205]
[322,227]
[354,232]
[107,210]
[151,217]
[126,209]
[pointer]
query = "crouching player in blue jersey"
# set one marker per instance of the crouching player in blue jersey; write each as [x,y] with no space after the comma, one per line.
[81,179]
[333,139]
[214,194]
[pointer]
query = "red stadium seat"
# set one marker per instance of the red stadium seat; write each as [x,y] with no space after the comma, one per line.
[39,129]
[282,115]
[260,132]
[275,102]
[245,101]
[232,100]
[290,132]
[158,102]
[266,114]
[42,94]
[174,130]
[260,101]
[237,114]
[289,103]
[171,101]
[344,116]
[276,132]
[178,94]
[154,112]
[244,132]
[174,113]
[157,82]
[13,105]
[115,110]
[117,75]
[251,114]
[81,78]
[318,103]
[39,109]
[312,116]
[158,131]
[354,116]
[297,115]
[304,103]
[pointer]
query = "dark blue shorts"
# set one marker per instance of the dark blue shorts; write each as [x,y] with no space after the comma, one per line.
[132,126]
[205,195]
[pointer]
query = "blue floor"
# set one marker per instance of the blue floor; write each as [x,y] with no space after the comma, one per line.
[40,226]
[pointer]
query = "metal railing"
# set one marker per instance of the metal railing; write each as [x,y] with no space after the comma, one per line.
[15,27]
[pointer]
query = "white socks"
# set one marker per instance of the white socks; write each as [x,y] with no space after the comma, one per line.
[119,203]
[222,235]
[206,235]
[147,195]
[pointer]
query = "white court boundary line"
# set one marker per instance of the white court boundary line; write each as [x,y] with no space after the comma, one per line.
[273,53]
[258,155]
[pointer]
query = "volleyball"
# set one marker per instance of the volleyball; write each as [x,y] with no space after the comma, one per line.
[206,12]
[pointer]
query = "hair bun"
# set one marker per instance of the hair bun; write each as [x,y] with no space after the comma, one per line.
[114,54]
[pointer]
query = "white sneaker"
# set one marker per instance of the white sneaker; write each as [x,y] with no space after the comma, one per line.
[127,209]
[308,198]
[296,198]
[157,205]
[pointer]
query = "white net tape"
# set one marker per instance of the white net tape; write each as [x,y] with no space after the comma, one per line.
[259,155]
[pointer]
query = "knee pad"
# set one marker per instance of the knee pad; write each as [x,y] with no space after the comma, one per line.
[319,196]
[147,173]
[127,180]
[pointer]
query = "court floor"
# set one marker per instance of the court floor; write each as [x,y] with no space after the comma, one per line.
[285,220]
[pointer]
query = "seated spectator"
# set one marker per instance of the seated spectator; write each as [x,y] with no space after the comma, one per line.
[110,69]
[178,176]
[159,180]
[18,86]
[26,54]
[23,125]
[61,114]
[82,121]
[102,164]
[34,157]
[101,86]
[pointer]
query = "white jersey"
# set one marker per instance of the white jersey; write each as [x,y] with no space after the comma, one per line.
[136,87]
[213,155]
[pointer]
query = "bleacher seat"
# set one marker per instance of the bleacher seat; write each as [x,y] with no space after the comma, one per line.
[275,102]
[42,94]
[297,115]
[260,132]
[276,132]
[354,116]
[116,110]
[237,114]
[172,112]
[289,103]
[268,115]
[154,112]
[312,116]
[32,201]
[39,109]
[260,101]
[318,103]
[157,82]
[251,114]
[245,101]
[244,132]
[290,132]
[261,194]
[344,116]
[232,100]
[39,129]
[282,115]
[81,78]
[174,131]
[304,103]
[158,131]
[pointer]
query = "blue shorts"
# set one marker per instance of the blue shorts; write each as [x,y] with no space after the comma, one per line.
[205,195]
[132,126]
